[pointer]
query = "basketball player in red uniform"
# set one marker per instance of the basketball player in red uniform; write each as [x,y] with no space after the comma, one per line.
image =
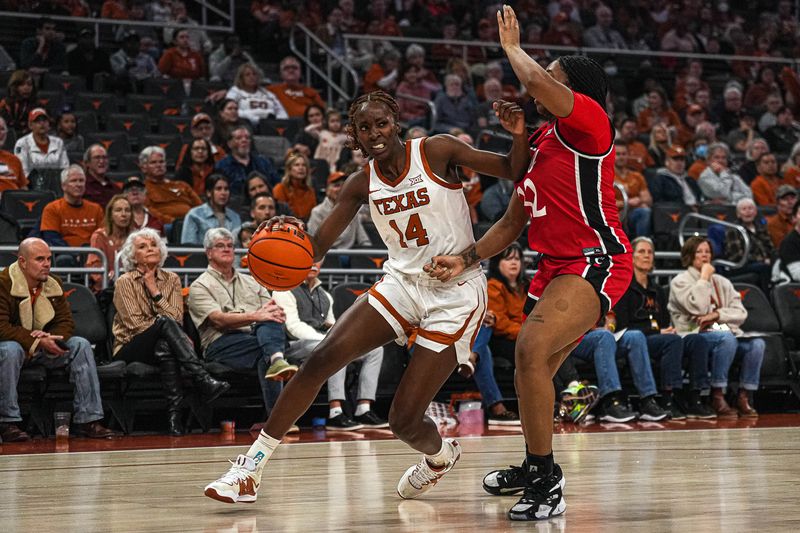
[419,208]
[567,195]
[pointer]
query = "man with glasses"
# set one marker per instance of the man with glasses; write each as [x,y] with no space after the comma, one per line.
[99,188]
[293,95]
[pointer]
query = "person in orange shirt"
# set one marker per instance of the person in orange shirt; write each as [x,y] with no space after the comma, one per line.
[71,220]
[294,96]
[384,74]
[657,111]
[765,186]
[295,187]
[639,198]
[181,61]
[780,224]
[791,169]
[202,128]
[639,157]
[11,174]
[166,199]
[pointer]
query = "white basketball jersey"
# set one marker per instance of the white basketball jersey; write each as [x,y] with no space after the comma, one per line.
[419,215]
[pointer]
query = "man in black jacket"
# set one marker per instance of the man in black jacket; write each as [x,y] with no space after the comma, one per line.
[671,184]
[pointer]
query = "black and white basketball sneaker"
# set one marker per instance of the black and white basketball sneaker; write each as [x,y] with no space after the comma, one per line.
[512,480]
[542,498]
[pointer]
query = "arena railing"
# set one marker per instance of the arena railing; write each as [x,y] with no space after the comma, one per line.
[688,217]
[433,115]
[69,271]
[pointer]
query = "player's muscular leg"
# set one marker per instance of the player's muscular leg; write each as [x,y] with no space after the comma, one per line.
[423,378]
[568,308]
[348,340]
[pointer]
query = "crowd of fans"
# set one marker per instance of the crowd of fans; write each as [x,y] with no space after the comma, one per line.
[695,133]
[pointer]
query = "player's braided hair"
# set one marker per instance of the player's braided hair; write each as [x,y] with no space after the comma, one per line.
[374,96]
[586,76]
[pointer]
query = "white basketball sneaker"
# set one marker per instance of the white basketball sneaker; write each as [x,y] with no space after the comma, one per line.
[421,477]
[239,485]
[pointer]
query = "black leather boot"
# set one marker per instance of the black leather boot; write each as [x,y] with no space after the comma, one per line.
[171,380]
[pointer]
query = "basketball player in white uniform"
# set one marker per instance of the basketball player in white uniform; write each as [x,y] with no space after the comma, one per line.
[419,208]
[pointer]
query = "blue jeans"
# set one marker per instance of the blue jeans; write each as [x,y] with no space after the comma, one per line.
[240,350]
[641,221]
[484,371]
[634,345]
[79,361]
[600,347]
[697,349]
[725,347]
[668,350]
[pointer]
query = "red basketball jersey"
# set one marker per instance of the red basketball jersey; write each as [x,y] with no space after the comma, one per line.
[568,191]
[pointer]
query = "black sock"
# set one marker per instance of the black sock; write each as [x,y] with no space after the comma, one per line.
[538,465]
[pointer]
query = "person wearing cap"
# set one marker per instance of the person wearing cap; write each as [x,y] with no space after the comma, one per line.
[672,184]
[130,65]
[355,234]
[87,60]
[135,191]
[780,224]
[99,187]
[765,186]
[294,95]
[202,127]
[38,150]
[762,253]
[11,174]
[639,199]
[719,184]
[71,220]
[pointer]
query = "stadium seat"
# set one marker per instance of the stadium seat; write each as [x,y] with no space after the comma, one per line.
[320,170]
[116,144]
[666,217]
[176,258]
[25,207]
[133,124]
[374,236]
[345,294]
[46,179]
[168,125]
[7,258]
[52,101]
[288,128]
[493,142]
[145,104]
[725,213]
[101,103]
[9,230]
[272,146]
[119,176]
[67,85]
[129,163]
[170,89]
[202,89]
[87,122]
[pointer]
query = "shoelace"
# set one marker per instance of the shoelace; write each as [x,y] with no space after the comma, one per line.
[422,475]
[515,475]
[235,474]
[539,489]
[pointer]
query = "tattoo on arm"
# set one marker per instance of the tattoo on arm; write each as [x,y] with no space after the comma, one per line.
[470,256]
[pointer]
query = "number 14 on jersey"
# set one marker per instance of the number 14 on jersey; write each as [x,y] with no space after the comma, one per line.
[415,231]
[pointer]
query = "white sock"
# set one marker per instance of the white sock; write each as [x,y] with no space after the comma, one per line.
[262,449]
[334,412]
[274,357]
[441,457]
[362,408]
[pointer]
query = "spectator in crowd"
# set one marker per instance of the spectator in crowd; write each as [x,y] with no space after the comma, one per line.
[44,52]
[791,169]
[240,161]
[37,329]
[147,325]
[198,166]
[784,134]
[494,71]
[114,9]
[215,213]
[789,252]
[602,35]
[99,187]
[263,207]
[180,61]
[11,174]
[67,131]
[7,63]
[224,62]
[384,73]
[454,108]
[757,269]
[705,302]
[562,31]
[255,102]
[730,111]
[71,220]
[294,96]
[639,199]
[198,39]
[773,104]
[685,134]
[39,150]
[166,199]
[331,31]
[244,235]
[354,234]
[485,117]
[87,60]
[765,84]
[158,10]
[642,310]
[240,326]
[309,317]
[130,65]
[460,68]
[135,191]
[118,224]
[295,187]
[202,127]
[308,139]
[638,156]
[672,184]
[415,57]
[718,183]
[412,111]
[660,141]
[495,200]
[679,39]
[16,107]
[657,111]
[332,139]
[755,149]
[742,137]
[780,224]
[765,186]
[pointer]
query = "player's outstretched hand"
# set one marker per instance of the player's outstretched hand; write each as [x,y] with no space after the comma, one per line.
[511,116]
[508,27]
[278,222]
[445,267]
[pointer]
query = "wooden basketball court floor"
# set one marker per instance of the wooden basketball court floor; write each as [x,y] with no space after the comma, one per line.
[738,479]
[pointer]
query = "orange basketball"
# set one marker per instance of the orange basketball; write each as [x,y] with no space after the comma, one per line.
[280,259]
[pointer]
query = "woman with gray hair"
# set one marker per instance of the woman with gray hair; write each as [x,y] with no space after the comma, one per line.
[147,325]
[758,267]
[718,183]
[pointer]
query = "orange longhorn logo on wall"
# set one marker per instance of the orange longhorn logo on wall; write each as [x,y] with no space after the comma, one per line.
[675,216]
[181,259]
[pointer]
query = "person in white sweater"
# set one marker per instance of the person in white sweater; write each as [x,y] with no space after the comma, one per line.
[701,301]
[255,102]
[718,183]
